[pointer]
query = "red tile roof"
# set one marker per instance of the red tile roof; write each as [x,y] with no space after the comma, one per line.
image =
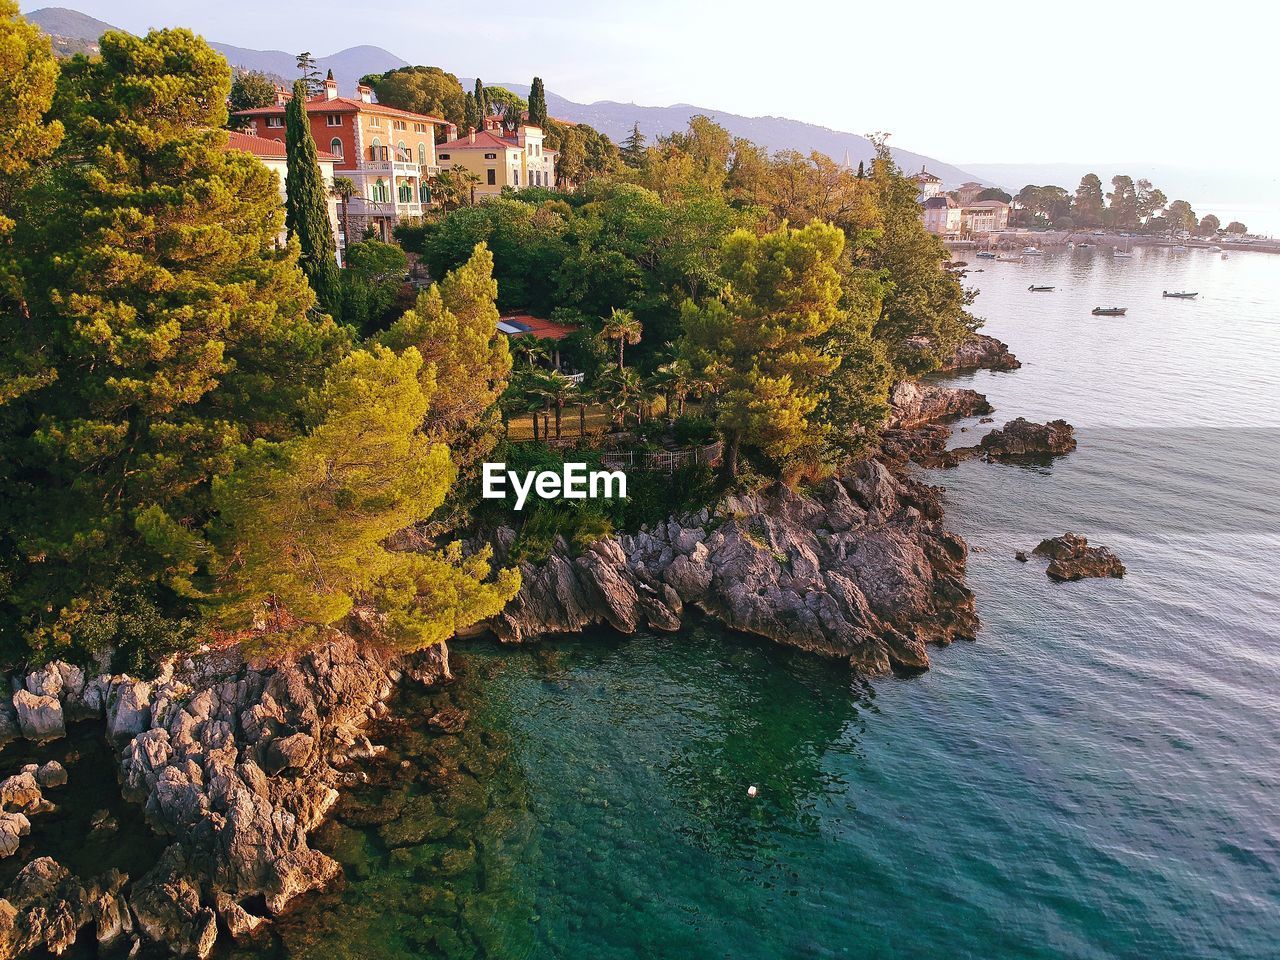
[264,148]
[484,139]
[344,105]
[527,324]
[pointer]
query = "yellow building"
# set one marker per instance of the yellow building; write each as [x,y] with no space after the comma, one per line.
[501,157]
[389,154]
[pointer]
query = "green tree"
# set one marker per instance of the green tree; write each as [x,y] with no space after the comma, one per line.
[760,341]
[250,89]
[1180,216]
[1209,225]
[634,147]
[344,188]
[372,281]
[1235,226]
[923,313]
[622,326]
[995,193]
[302,525]
[1089,206]
[482,99]
[1122,204]
[421,89]
[454,326]
[537,104]
[310,74]
[175,331]
[472,120]
[1150,200]
[499,100]
[557,390]
[307,206]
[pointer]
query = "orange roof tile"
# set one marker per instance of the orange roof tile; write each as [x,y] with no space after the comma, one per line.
[345,105]
[265,148]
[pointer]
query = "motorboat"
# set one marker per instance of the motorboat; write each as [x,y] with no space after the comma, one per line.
[985,255]
[1032,252]
[1181,295]
[1034,289]
[1109,311]
[1009,259]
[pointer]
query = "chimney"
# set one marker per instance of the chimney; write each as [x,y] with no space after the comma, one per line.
[451,131]
[366,94]
[471,137]
[331,89]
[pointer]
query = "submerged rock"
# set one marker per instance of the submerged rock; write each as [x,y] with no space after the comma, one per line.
[1071,558]
[860,569]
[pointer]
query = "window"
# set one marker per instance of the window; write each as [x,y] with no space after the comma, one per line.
[422,154]
[444,156]
[493,177]
[333,120]
[491,156]
[380,192]
[515,177]
[275,121]
[406,192]
[419,128]
[375,121]
[335,147]
[424,193]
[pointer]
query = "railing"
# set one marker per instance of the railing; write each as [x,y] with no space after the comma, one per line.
[663,461]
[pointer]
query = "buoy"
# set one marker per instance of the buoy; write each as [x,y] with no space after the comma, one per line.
[752,791]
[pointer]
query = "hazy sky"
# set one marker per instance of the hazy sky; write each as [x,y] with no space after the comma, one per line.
[1001,81]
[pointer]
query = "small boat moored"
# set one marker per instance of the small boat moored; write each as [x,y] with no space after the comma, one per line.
[1009,259]
[1181,295]
[1032,252]
[986,255]
[1034,289]
[1109,311]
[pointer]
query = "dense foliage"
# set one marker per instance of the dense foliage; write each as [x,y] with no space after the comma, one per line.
[186,441]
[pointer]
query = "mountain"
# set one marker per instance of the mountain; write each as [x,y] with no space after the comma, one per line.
[614,119]
[348,65]
[71,31]
[75,32]
[775,133]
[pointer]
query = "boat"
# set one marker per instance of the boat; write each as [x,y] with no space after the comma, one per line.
[986,255]
[1122,254]
[1180,248]
[1109,311]
[1083,246]
[1034,289]
[1032,252]
[1182,295]
[1010,259]
[1215,248]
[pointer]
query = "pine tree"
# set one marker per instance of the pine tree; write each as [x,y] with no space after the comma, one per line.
[302,525]
[174,332]
[307,206]
[454,325]
[537,104]
[633,147]
[761,342]
[471,113]
[310,73]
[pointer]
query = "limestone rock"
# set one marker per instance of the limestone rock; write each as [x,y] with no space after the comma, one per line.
[861,570]
[39,716]
[1021,439]
[52,774]
[981,352]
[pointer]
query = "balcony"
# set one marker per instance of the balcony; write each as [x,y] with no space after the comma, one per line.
[401,168]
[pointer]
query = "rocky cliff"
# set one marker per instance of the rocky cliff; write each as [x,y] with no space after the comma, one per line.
[858,568]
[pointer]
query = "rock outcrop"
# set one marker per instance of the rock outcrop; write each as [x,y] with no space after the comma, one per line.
[859,569]
[981,352]
[235,763]
[1021,439]
[915,404]
[1071,558]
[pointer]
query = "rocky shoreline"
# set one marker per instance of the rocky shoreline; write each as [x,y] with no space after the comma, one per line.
[236,764]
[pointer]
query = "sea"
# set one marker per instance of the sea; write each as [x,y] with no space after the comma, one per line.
[1096,777]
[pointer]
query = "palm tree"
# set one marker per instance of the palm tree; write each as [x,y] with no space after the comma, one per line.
[618,388]
[344,188]
[675,380]
[556,389]
[467,182]
[531,348]
[623,327]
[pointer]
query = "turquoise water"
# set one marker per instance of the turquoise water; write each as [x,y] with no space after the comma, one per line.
[1097,777]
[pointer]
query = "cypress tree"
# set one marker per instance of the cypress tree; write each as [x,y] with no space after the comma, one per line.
[482,100]
[538,104]
[307,205]
[862,172]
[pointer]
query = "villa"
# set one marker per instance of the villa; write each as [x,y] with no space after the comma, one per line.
[389,154]
[501,157]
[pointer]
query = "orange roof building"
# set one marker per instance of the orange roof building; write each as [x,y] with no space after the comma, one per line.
[501,157]
[390,154]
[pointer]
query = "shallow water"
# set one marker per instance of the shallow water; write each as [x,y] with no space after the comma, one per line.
[1097,777]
